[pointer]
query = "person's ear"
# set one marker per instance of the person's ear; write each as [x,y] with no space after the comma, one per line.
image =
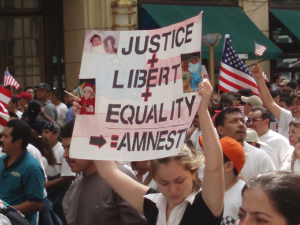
[18,142]
[220,130]
[228,166]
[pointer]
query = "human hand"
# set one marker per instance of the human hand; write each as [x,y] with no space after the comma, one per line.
[42,112]
[205,90]
[257,71]
[76,105]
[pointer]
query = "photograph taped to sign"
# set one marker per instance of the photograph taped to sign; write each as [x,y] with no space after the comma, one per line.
[141,111]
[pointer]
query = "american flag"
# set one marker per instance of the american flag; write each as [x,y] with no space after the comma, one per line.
[4,117]
[259,49]
[5,96]
[234,75]
[9,80]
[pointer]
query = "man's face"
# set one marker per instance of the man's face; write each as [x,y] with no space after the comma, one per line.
[30,91]
[234,127]
[256,123]
[278,80]
[42,94]
[295,108]
[51,137]
[7,145]
[11,106]
[53,98]
[276,99]
[23,102]
[76,165]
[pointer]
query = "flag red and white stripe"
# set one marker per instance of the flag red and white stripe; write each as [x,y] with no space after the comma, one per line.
[234,74]
[259,49]
[9,80]
[4,117]
[265,77]
[5,96]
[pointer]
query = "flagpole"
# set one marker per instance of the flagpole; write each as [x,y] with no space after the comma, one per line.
[254,50]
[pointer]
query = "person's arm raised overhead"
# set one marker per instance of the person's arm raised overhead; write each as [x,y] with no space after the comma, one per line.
[264,92]
[213,183]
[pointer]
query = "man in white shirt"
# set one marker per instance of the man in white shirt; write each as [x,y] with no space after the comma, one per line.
[61,108]
[277,145]
[284,116]
[230,122]
[59,176]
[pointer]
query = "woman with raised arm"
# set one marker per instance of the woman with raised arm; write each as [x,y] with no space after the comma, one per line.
[180,200]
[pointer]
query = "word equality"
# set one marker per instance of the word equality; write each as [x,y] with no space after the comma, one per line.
[129,114]
[168,40]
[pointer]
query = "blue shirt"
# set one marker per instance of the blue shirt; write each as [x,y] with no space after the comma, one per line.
[22,181]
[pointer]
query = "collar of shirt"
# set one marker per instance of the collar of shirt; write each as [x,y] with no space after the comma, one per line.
[176,214]
[16,162]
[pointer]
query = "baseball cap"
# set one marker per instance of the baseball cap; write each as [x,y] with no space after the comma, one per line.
[253,137]
[233,150]
[253,100]
[44,86]
[284,82]
[52,127]
[25,95]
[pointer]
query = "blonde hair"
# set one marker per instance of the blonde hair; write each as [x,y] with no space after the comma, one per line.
[188,157]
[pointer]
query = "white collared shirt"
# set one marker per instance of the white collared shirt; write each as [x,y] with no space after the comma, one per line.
[177,212]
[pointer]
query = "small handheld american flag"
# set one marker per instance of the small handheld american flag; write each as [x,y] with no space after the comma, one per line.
[9,80]
[259,49]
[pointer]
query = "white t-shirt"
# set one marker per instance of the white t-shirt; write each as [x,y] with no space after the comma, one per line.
[195,139]
[277,148]
[257,162]
[288,161]
[232,203]
[61,166]
[283,123]
[61,113]
[19,114]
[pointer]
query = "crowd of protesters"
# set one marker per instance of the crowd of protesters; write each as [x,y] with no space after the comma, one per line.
[240,163]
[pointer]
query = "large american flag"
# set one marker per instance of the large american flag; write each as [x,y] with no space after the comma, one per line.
[5,96]
[259,49]
[9,80]
[234,74]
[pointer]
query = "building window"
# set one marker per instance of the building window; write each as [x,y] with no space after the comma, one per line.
[20,44]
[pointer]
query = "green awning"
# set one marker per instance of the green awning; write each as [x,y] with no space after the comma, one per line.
[223,20]
[290,19]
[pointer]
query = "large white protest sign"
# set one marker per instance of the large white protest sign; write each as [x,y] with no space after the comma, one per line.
[134,106]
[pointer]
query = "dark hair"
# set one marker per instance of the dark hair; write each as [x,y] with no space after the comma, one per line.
[245,92]
[264,112]
[42,144]
[68,129]
[283,190]
[275,76]
[226,100]
[14,99]
[226,159]
[285,99]
[274,93]
[95,35]
[21,130]
[292,85]
[28,88]
[57,94]
[297,96]
[13,115]
[220,118]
